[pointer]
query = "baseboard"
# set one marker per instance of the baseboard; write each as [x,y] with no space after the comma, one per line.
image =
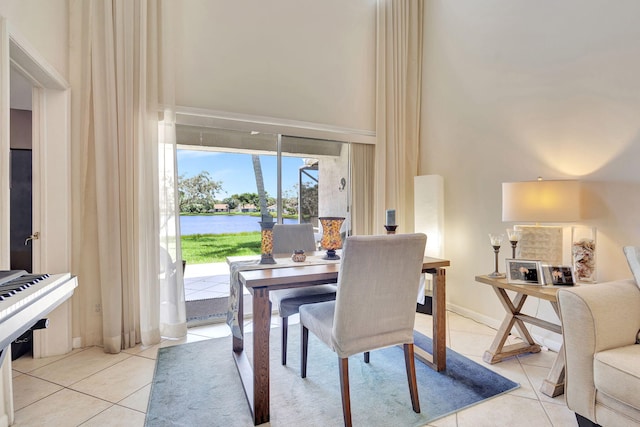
[553,344]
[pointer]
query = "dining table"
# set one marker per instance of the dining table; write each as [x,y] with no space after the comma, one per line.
[260,279]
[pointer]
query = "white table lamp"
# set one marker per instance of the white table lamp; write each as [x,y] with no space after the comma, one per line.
[541,202]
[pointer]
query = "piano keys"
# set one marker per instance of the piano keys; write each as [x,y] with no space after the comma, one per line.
[27,298]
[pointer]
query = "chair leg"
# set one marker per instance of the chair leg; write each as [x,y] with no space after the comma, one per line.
[366,357]
[304,343]
[343,363]
[410,364]
[285,329]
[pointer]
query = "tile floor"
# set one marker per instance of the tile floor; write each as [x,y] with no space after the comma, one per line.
[90,388]
[203,281]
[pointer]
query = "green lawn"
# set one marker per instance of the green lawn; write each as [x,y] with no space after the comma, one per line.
[205,248]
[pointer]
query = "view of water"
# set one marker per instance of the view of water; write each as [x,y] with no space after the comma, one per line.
[218,224]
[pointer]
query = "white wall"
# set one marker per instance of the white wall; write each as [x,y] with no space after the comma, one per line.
[45,25]
[514,90]
[301,60]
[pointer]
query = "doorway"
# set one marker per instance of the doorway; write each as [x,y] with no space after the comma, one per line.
[304,178]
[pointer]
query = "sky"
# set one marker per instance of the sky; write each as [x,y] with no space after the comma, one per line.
[235,171]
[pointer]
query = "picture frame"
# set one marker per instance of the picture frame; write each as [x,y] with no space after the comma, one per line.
[524,271]
[558,275]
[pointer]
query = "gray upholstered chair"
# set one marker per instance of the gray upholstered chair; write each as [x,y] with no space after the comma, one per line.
[286,239]
[374,307]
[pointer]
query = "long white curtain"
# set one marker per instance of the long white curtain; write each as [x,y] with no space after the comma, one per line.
[126,271]
[399,88]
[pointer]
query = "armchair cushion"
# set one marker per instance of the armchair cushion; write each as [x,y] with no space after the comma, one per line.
[616,373]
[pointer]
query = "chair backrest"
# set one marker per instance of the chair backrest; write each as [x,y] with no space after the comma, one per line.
[289,237]
[377,291]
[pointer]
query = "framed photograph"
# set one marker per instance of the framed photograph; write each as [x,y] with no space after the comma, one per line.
[560,275]
[524,271]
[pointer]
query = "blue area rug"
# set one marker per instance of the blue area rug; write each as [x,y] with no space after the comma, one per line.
[197,384]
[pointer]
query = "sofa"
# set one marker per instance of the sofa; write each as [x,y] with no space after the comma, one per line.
[600,329]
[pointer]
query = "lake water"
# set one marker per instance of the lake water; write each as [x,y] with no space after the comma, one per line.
[218,224]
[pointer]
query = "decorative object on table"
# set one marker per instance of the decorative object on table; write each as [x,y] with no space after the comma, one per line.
[266,244]
[524,271]
[514,236]
[331,238]
[558,275]
[541,201]
[390,217]
[391,229]
[496,242]
[298,256]
[583,253]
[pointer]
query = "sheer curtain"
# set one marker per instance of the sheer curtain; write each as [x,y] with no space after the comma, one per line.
[362,178]
[119,159]
[399,88]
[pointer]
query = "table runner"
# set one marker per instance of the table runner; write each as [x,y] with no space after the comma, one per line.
[235,287]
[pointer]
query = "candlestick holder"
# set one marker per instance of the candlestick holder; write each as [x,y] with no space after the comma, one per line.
[496,242]
[391,229]
[514,238]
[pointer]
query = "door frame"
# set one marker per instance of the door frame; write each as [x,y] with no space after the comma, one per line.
[51,153]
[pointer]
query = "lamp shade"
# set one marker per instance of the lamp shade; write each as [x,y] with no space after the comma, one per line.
[541,201]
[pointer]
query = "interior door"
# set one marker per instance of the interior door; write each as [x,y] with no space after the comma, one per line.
[21,211]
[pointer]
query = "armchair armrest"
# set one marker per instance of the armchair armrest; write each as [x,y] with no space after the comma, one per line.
[594,318]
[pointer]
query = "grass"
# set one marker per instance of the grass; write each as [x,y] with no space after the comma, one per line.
[206,248]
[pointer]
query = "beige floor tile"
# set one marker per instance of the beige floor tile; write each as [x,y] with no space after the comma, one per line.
[512,370]
[27,389]
[505,411]
[27,363]
[448,421]
[560,415]
[118,381]
[460,323]
[78,366]
[116,416]
[138,400]
[470,343]
[537,375]
[63,408]
[543,359]
[211,331]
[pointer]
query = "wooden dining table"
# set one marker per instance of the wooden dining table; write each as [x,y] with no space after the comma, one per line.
[261,279]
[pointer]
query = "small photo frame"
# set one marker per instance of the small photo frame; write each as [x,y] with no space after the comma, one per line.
[524,271]
[558,275]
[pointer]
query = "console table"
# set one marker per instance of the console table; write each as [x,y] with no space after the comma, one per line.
[553,385]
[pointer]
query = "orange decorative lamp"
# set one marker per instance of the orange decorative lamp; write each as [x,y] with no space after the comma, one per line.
[331,239]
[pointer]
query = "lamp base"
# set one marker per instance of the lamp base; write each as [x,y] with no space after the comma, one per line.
[391,229]
[496,275]
[267,259]
[331,255]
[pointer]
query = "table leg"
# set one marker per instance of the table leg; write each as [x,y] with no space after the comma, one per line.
[553,385]
[255,379]
[498,350]
[261,329]
[438,359]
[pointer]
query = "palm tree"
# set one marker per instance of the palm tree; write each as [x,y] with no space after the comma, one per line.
[257,169]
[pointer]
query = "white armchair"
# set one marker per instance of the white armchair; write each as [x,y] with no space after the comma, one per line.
[600,325]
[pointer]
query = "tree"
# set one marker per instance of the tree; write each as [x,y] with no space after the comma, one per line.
[197,193]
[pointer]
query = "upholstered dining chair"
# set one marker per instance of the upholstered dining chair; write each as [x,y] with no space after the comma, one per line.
[286,239]
[374,307]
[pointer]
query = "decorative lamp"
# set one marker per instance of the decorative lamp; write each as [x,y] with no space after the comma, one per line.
[266,244]
[541,201]
[331,239]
